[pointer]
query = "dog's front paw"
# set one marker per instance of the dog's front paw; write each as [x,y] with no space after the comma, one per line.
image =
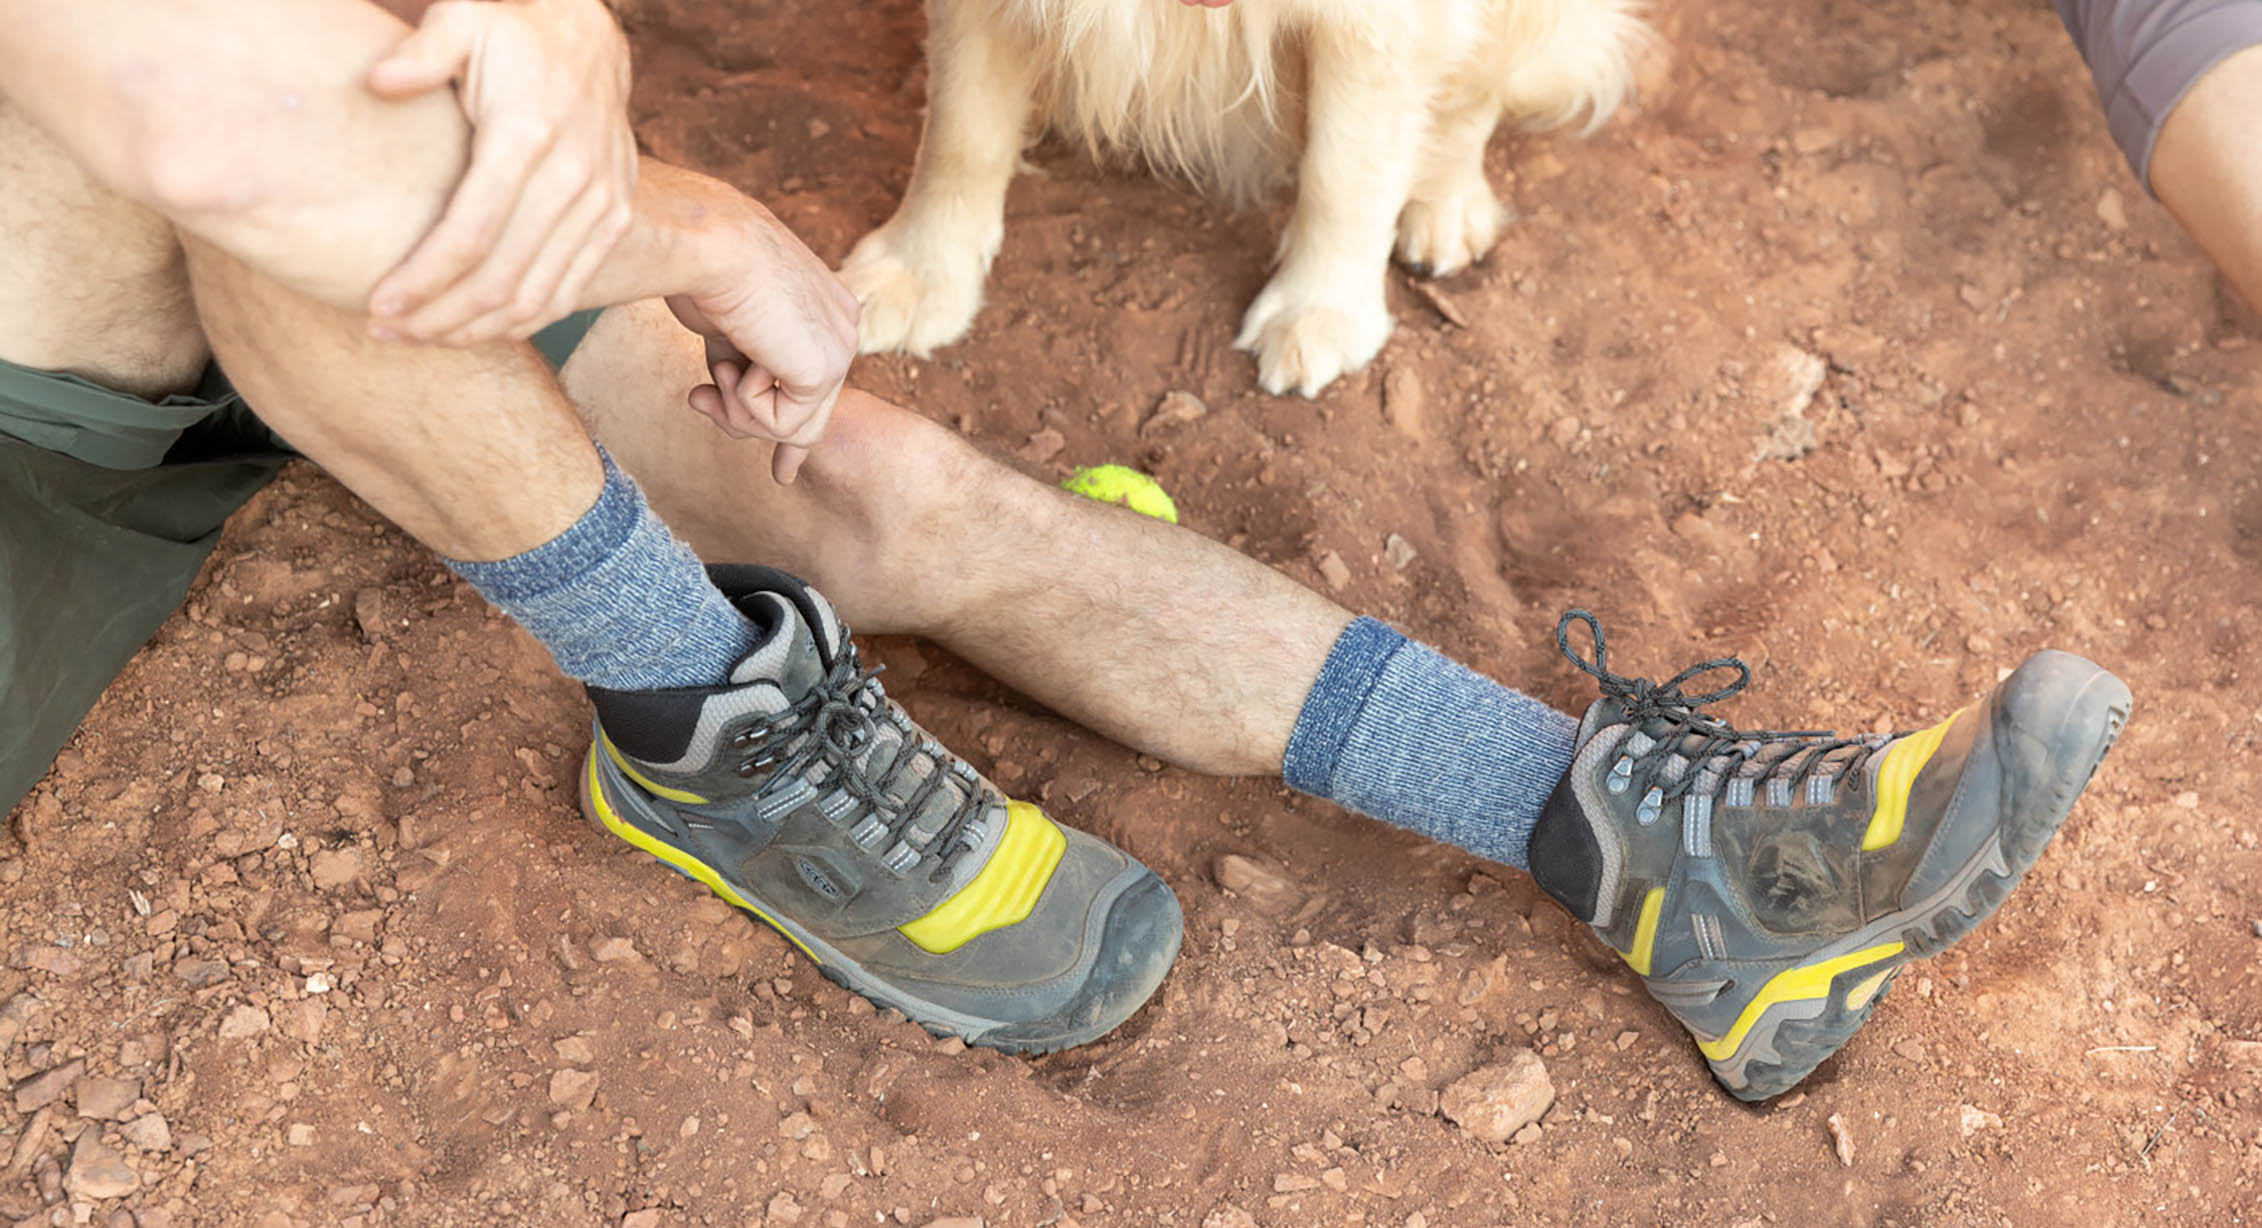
[1303,339]
[1442,236]
[915,297]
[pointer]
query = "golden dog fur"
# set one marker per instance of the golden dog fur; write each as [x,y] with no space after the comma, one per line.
[1380,109]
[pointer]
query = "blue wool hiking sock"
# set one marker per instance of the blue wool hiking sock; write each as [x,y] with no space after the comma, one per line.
[618,601]
[1396,731]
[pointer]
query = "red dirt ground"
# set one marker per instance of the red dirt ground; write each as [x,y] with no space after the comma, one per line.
[338,769]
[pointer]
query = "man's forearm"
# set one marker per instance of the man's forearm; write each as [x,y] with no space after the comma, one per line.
[248,123]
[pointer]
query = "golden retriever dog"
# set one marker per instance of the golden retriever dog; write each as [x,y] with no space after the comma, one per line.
[1380,109]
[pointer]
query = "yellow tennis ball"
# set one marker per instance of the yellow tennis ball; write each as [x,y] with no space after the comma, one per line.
[1123,485]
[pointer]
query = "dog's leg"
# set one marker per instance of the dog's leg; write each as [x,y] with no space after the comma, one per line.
[920,275]
[1453,218]
[1323,313]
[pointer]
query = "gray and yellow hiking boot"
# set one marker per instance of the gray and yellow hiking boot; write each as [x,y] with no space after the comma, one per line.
[1767,886]
[802,794]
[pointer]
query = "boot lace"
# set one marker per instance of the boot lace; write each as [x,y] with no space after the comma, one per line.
[1710,749]
[832,726]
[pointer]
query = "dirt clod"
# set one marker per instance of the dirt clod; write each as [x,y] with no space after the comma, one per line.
[1493,1102]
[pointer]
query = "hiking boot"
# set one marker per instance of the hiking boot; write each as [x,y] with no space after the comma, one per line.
[799,792]
[1768,885]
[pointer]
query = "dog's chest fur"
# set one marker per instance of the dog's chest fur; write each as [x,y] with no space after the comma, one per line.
[1214,95]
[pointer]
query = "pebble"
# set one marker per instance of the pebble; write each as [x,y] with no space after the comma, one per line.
[2257,928]
[1042,446]
[649,1217]
[1403,401]
[783,1209]
[1293,1183]
[1972,1120]
[1333,570]
[244,1022]
[2112,210]
[1229,1216]
[572,1090]
[106,1099]
[1266,889]
[148,1132]
[369,614]
[301,1135]
[957,1221]
[1398,552]
[1565,430]
[574,1049]
[1843,1139]
[97,1171]
[47,1087]
[1176,408]
[797,1126]
[334,868]
[1494,1102]
[612,950]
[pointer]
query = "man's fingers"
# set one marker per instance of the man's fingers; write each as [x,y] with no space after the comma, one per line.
[504,157]
[429,58]
[543,283]
[494,287]
[786,462]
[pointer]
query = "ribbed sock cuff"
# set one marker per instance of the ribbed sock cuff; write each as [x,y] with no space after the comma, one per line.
[1394,730]
[618,601]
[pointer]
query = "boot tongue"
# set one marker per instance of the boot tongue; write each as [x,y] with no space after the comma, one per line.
[1601,714]
[793,656]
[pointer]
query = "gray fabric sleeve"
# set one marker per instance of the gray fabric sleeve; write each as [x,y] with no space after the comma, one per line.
[2146,54]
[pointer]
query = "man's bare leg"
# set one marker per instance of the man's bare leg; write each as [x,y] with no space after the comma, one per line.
[442,441]
[90,284]
[1153,635]
[2207,168]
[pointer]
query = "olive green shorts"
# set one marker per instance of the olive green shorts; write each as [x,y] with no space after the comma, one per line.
[108,506]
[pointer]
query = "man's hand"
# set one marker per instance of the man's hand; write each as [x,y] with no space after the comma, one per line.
[553,169]
[781,333]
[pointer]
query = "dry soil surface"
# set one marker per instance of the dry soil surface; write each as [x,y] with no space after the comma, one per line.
[1853,350]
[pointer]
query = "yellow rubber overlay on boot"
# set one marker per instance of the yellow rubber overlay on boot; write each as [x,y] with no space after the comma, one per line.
[644,782]
[1797,984]
[1004,892]
[1895,777]
[1645,932]
[676,857]
[1859,996]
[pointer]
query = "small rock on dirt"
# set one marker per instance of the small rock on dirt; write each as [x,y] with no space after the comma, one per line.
[1229,1216]
[1972,1120]
[1042,446]
[612,950]
[2112,210]
[649,1217]
[334,868]
[97,1171]
[1265,888]
[148,1132]
[1177,408]
[1337,575]
[1398,552]
[106,1099]
[369,614]
[1493,1102]
[957,1221]
[1403,401]
[48,1086]
[244,1022]
[1843,1139]
[572,1090]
